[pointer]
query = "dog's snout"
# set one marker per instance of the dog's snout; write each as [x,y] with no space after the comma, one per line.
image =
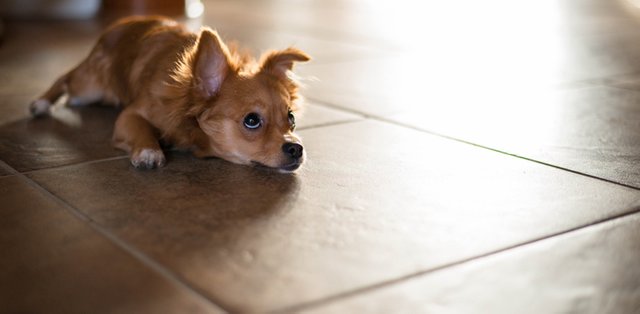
[293,150]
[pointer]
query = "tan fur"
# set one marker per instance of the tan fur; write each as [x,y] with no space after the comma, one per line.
[187,89]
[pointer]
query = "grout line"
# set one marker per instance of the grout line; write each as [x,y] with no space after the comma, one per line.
[323,103]
[507,153]
[618,86]
[359,117]
[384,284]
[128,248]
[328,124]
[459,140]
[332,36]
[88,162]
[373,45]
[338,58]
[6,166]
[601,81]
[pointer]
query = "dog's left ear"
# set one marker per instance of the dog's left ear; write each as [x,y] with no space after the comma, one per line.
[278,63]
[211,63]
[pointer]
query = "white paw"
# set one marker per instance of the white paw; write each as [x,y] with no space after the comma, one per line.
[148,158]
[40,107]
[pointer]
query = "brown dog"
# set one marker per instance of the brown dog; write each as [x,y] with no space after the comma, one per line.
[188,90]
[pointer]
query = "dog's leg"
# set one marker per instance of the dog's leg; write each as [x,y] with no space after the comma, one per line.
[41,105]
[138,137]
[84,85]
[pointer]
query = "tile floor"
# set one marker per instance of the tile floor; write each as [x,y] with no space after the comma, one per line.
[464,157]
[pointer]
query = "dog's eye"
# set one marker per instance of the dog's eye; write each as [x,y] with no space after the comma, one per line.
[252,121]
[292,120]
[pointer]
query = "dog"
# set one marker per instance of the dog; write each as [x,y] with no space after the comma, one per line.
[188,90]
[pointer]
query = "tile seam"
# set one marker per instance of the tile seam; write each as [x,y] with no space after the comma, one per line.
[131,250]
[462,141]
[88,162]
[318,303]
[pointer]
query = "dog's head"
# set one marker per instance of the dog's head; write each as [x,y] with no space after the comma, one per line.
[247,107]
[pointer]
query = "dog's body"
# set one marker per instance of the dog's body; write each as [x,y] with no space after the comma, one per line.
[188,90]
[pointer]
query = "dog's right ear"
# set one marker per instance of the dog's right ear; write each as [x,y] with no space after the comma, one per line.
[278,63]
[211,64]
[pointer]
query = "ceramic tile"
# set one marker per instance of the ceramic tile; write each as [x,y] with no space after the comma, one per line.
[14,108]
[317,115]
[407,25]
[69,136]
[34,54]
[384,86]
[4,172]
[321,50]
[473,59]
[630,82]
[26,70]
[374,202]
[589,130]
[52,262]
[590,271]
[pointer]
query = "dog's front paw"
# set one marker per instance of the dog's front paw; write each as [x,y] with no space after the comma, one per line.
[40,107]
[148,158]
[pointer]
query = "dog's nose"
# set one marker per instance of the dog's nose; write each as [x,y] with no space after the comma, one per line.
[293,150]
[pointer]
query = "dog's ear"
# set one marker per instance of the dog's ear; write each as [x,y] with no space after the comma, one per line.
[211,64]
[278,63]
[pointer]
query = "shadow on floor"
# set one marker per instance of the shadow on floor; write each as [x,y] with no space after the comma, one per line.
[68,136]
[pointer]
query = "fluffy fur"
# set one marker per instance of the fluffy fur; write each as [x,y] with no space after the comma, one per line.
[189,90]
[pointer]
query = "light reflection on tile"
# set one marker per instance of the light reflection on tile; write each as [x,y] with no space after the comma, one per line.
[584,128]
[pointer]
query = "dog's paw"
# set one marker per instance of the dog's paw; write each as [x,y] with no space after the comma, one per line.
[148,158]
[39,107]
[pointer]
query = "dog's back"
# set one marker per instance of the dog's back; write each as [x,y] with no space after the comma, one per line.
[130,55]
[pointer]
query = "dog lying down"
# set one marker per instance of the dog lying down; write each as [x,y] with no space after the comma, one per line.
[188,90]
